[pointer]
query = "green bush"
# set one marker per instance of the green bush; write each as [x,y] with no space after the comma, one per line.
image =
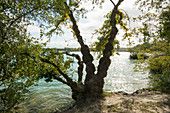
[159,64]
[12,95]
[161,82]
[137,56]
[160,73]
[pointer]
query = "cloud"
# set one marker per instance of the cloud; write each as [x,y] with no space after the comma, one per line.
[56,44]
[94,20]
[63,44]
[33,29]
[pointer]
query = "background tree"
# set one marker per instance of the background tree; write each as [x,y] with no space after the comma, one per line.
[18,69]
[156,26]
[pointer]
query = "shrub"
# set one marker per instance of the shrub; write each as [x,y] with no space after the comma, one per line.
[160,73]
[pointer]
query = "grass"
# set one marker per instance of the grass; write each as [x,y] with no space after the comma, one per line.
[107,93]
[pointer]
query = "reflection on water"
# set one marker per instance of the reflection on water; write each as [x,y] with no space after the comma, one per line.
[121,76]
[50,97]
[46,98]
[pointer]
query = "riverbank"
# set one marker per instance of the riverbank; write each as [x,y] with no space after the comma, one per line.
[139,102]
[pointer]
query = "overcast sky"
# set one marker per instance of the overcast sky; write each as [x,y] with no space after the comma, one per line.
[94,20]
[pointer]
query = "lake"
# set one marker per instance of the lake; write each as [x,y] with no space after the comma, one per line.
[53,96]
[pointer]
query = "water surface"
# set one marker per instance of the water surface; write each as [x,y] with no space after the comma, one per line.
[53,96]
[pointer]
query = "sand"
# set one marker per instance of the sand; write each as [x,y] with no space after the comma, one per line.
[139,102]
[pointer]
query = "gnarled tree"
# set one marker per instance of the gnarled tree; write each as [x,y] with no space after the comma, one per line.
[50,64]
[93,84]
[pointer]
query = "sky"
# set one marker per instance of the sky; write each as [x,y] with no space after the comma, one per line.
[87,26]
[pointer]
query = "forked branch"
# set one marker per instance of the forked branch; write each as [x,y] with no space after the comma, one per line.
[105,61]
[80,68]
[87,57]
[112,2]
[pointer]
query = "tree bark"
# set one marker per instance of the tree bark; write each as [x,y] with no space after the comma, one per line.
[93,85]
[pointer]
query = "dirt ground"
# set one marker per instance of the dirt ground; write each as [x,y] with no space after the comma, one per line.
[139,102]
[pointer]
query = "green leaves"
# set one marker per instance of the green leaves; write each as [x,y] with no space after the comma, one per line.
[18,52]
[155,35]
[160,77]
[12,95]
[104,32]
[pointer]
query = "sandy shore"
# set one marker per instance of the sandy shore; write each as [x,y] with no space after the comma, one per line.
[139,102]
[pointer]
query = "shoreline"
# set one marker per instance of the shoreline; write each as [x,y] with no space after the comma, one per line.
[141,101]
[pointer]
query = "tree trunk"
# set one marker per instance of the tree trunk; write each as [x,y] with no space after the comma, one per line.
[93,85]
[93,89]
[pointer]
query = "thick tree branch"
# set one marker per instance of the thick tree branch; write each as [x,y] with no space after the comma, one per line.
[74,55]
[112,2]
[74,86]
[75,27]
[87,57]
[119,2]
[105,61]
[80,68]
[69,80]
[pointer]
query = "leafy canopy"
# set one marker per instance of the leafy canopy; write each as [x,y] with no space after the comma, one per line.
[155,30]
[20,54]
